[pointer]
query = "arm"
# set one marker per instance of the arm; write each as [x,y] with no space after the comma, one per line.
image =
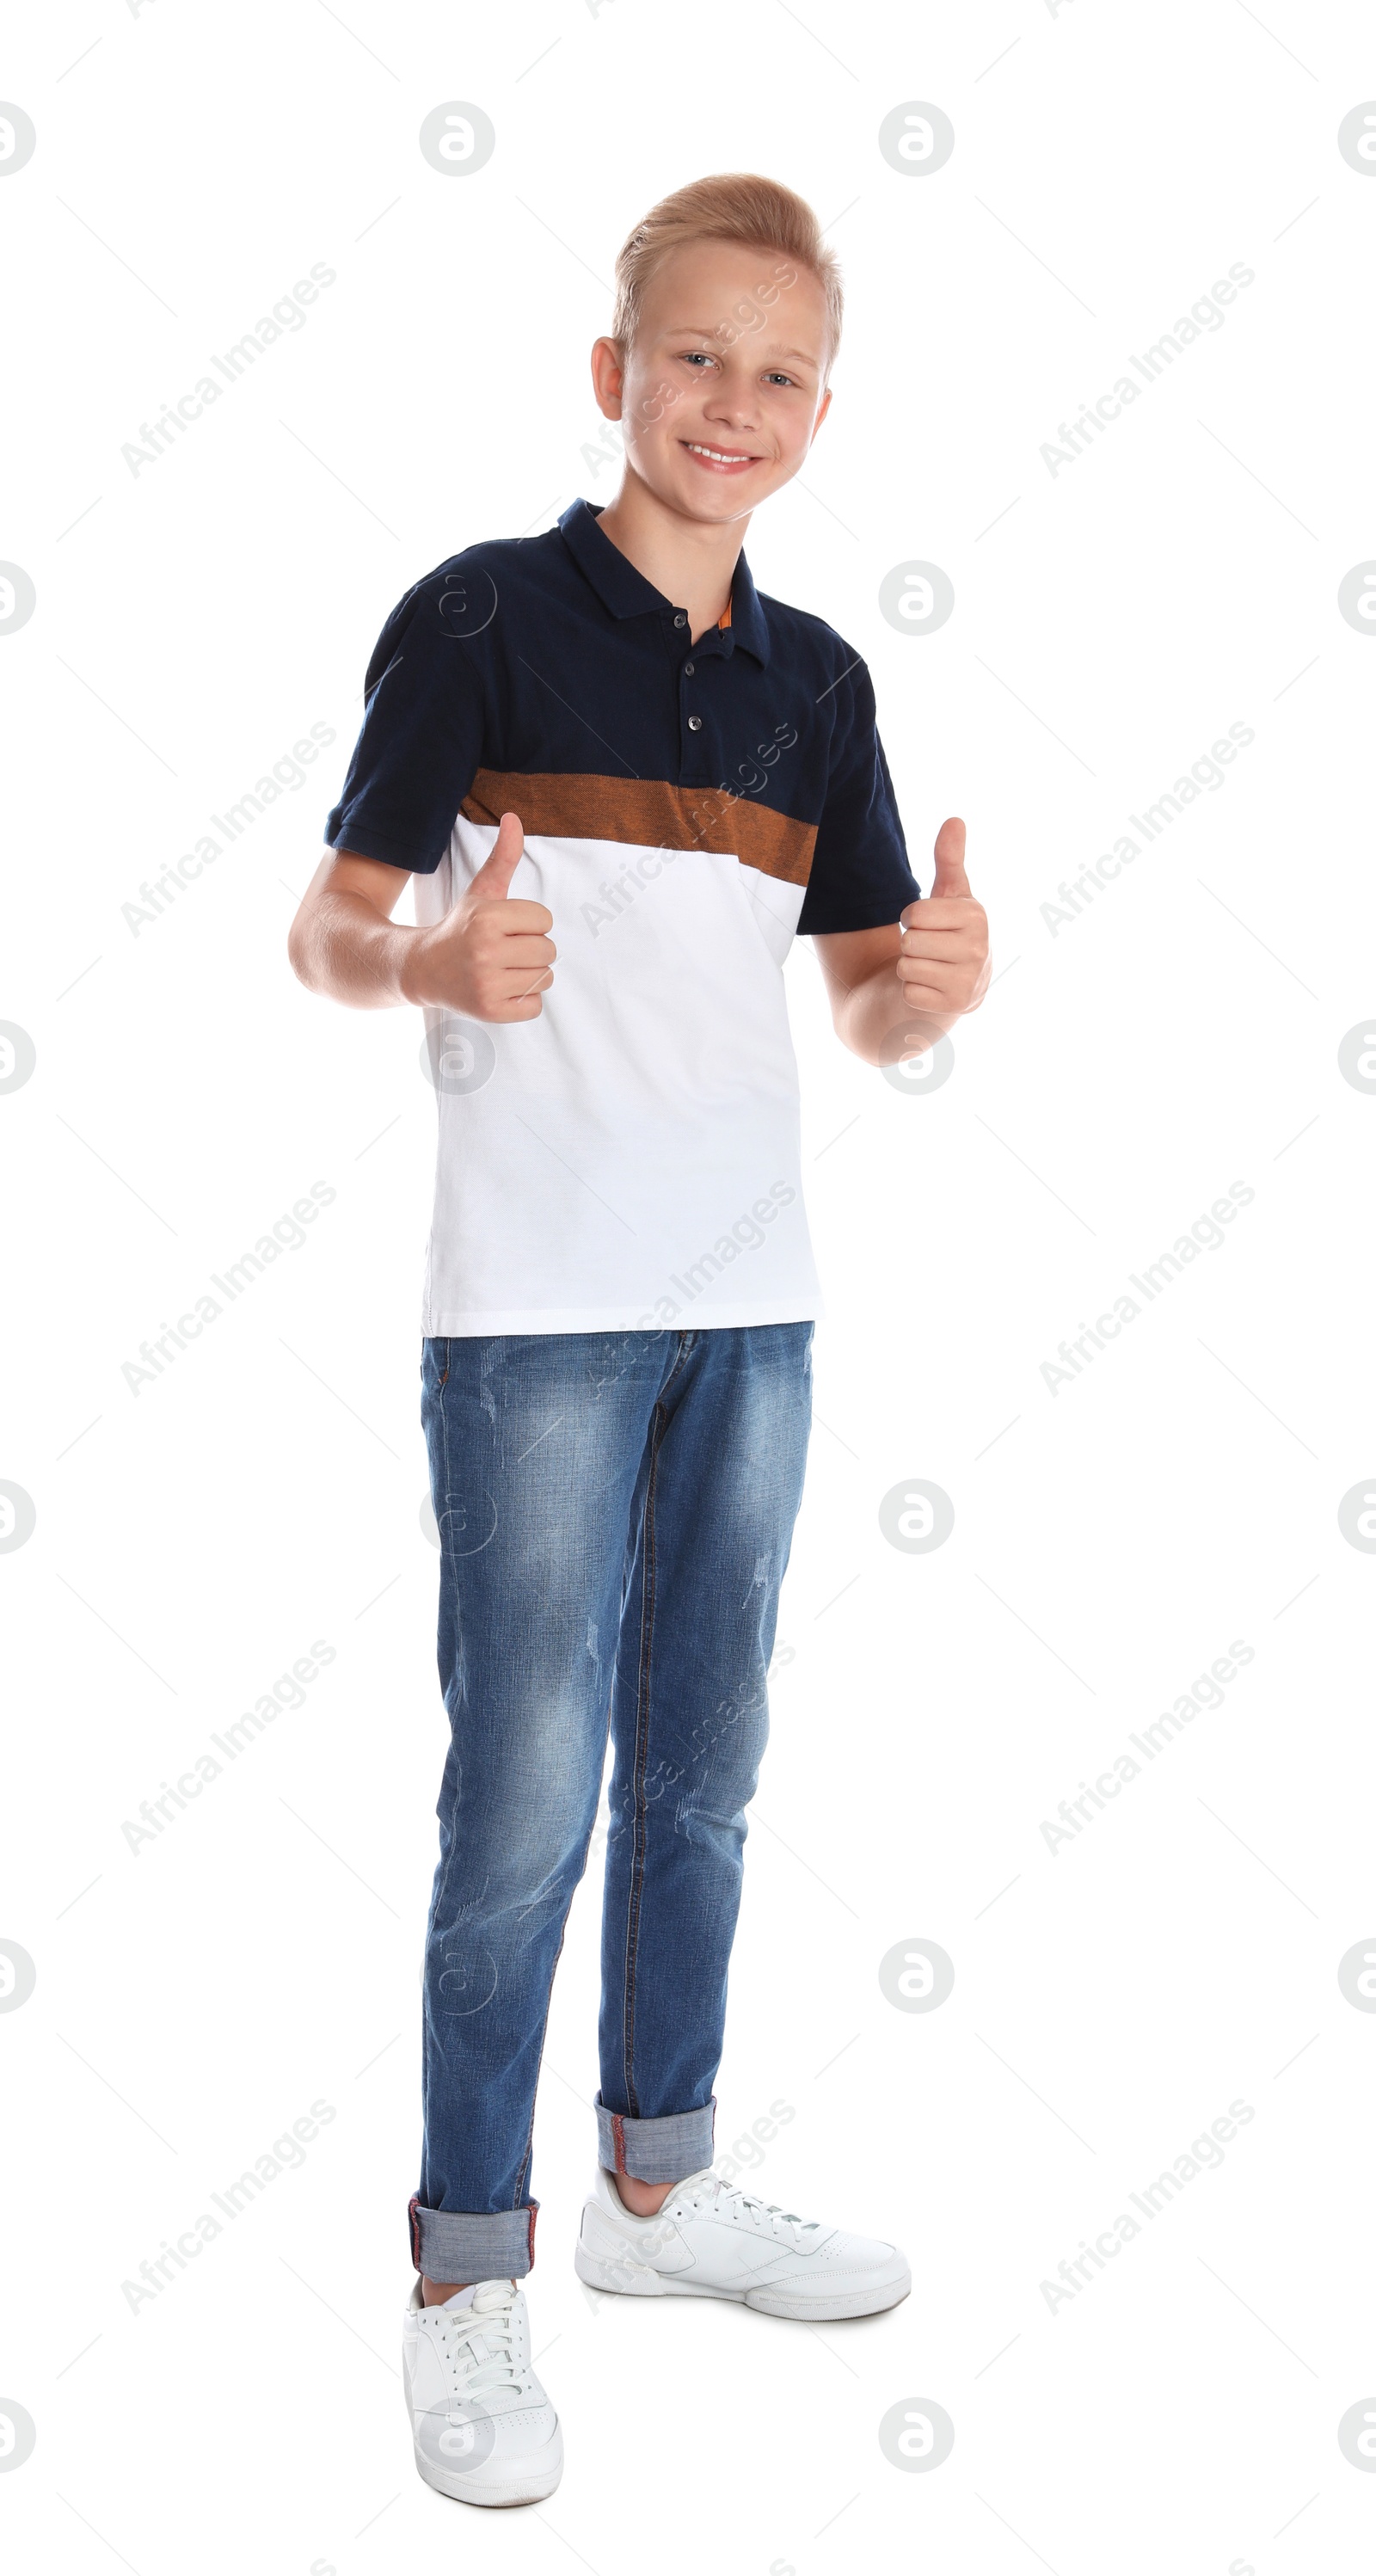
[490,957]
[896,990]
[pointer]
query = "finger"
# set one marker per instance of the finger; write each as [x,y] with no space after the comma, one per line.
[499,867]
[517,914]
[930,974]
[938,939]
[942,912]
[938,961]
[522,951]
[950,875]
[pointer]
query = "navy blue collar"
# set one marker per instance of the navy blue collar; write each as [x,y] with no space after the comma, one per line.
[627,593]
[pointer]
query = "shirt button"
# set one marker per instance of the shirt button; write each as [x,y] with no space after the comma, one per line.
[679,618]
[687,670]
[695,724]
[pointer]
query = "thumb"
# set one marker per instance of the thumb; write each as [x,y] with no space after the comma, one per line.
[950,875]
[493,880]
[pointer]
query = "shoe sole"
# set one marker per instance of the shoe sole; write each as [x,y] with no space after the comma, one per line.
[628,2279]
[529,2486]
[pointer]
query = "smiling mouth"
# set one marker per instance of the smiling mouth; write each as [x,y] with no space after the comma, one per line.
[718,455]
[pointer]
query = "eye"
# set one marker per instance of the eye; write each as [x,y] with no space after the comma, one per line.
[694,356]
[778,376]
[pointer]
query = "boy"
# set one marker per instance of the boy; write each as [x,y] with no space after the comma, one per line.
[622,780]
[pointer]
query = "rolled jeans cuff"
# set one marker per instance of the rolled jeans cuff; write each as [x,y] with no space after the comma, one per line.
[463,2245]
[654,2150]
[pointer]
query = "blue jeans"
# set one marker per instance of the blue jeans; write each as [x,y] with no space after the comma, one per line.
[615,1514]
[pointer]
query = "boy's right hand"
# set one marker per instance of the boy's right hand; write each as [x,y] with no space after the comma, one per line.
[490,958]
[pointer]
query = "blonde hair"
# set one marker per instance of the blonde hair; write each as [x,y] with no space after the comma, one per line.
[735,206]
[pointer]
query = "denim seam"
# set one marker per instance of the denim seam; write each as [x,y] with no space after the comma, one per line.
[544,2026]
[642,1731]
[447,1580]
[642,1750]
[430,1348]
[524,2167]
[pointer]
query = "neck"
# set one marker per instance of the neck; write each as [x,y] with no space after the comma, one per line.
[692,561]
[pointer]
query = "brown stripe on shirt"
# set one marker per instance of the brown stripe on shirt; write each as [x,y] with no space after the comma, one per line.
[651,812]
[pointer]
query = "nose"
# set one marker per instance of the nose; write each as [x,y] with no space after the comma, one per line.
[731,405]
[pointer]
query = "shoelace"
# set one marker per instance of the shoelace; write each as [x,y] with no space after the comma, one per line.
[777,2218]
[489,2316]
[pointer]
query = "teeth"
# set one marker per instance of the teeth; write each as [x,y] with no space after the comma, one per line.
[718,455]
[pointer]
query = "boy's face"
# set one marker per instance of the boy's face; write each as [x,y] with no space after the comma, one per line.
[722,392]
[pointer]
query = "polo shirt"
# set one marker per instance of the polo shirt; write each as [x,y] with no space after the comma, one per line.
[630,1159]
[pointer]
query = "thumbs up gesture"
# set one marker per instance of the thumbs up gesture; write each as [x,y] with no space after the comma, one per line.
[943,962]
[491,957]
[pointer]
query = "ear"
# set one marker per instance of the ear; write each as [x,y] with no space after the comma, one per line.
[608,378]
[823,408]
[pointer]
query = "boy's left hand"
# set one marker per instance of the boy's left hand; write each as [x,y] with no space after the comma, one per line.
[943,965]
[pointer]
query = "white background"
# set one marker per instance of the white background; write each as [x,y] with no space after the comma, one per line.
[1111,1539]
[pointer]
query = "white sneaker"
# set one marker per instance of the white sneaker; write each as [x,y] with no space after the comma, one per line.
[711,2241]
[485,2432]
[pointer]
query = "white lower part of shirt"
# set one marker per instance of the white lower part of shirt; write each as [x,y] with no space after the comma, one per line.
[630,1160]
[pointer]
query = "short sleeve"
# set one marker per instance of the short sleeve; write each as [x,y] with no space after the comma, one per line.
[860,877]
[420,746]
